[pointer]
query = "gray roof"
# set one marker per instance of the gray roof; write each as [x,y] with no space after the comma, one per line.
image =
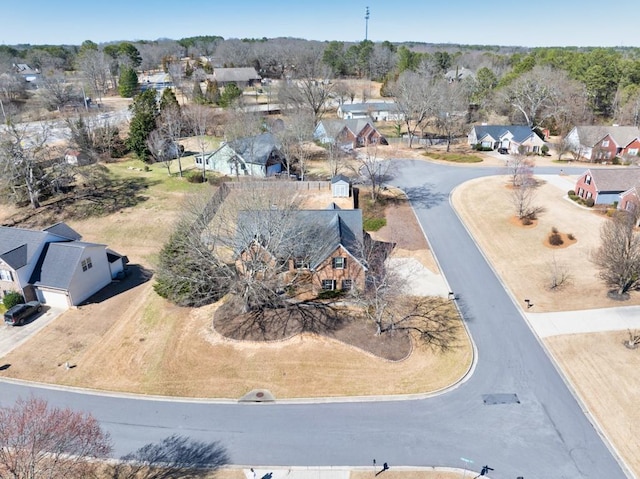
[64,231]
[369,107]
[459,73]
[18,245]
[255,149]
[520,132]
[334,127]
[333,227]
[58,264]
[340,177]
[623,135]
[244,74]
[615,179]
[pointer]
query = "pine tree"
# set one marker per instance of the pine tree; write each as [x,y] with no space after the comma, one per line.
[230,93]
[213,92]
[168,100]
[128,82]
[144,110]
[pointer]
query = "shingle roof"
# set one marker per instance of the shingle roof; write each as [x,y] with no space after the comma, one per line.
[255,149]
[58,264]
[332,227]
[615,179]
[243,74]
[18,245]
[64,231]
[520,132]
[590,135]
[334,127]
[340,177]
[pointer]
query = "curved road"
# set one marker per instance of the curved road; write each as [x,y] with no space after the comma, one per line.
[544,435]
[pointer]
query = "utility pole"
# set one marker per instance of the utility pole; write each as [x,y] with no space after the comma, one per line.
[366,24]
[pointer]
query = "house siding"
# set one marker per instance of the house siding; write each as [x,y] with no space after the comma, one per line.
[86,283]
[628,200]
[632,149]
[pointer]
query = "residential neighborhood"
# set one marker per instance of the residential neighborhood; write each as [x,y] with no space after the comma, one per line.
[263,252]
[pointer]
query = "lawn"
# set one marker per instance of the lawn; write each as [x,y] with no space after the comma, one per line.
[153,347]
[453,157]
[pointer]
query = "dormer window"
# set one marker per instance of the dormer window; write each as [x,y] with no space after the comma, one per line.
[339,263]
[605,143]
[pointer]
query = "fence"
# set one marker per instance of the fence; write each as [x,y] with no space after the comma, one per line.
[281,184]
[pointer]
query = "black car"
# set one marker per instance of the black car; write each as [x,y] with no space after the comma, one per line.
[19,313]
[503,151]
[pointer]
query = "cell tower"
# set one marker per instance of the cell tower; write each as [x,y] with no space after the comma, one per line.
[366,24]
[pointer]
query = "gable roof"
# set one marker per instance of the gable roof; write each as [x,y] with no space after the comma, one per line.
[255,149]
[243,74]
[334,127]
[18,246]
[340,177]
[459,73]
[615,179]
[58,264]
[520,132]
[589,135]
[334,227]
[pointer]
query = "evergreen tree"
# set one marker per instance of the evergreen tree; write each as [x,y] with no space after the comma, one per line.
[213,92]
[168,100]
[144,110]
[128,83]
[230,93]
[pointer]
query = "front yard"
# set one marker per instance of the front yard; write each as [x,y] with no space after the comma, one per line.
[138,342]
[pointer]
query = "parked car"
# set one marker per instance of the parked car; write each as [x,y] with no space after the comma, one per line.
[503,151]
[18,314]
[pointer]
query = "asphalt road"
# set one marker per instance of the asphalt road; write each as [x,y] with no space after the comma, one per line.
[545,434]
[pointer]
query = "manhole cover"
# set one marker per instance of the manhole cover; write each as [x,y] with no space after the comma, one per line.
[492,399]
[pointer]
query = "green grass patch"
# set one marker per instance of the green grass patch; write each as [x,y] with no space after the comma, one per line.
[454,157]
[373,224]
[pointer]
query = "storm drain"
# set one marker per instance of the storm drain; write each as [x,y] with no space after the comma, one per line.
[492,399]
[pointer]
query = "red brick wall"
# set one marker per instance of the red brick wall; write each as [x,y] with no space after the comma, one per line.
[585,187]
[635,144]
[353,271]
[605,150]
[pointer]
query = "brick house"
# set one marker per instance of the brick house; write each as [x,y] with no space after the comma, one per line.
[326,254]
[348,133]
[632,149]
[600,143]
[605,185]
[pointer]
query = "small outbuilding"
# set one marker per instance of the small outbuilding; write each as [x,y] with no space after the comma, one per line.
[340,186]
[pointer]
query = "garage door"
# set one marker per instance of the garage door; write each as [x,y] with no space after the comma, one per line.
[53,298]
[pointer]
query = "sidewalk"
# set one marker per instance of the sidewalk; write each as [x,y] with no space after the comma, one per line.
[587,321]
[344,472]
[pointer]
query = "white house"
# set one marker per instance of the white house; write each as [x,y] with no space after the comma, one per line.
[378,111]
[513,138]
[250,156]
[54,266]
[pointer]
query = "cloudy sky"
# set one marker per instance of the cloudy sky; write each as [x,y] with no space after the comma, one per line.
[489,22]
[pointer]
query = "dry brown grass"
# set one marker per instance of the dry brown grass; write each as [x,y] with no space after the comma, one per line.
[519,254]
[138,342]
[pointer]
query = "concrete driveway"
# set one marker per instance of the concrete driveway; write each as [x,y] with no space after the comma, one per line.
[13,336]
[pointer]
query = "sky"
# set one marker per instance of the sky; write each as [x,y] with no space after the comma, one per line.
[489,22]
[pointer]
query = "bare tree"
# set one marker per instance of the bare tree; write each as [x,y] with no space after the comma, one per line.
[295,138]
[559,275]
[415,98]
[373,170]
[40,441]
[172,123]
[56,91]
[523,197]
[618,257]
[200,121]
[94,66]
[451,105]
[310,94]
[519,169]
[335,158]
[174,456]
[22,156]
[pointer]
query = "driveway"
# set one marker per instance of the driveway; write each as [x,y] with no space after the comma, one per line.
[515,413]
[13,336]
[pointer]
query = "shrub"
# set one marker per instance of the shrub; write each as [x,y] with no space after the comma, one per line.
[554,230]
[195,177]
[571,237]
[526,220]
[590,202]
[616,161]
[374,224]
[330,294]
[555,239]
[571,193]
[11,299]
[545,150]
